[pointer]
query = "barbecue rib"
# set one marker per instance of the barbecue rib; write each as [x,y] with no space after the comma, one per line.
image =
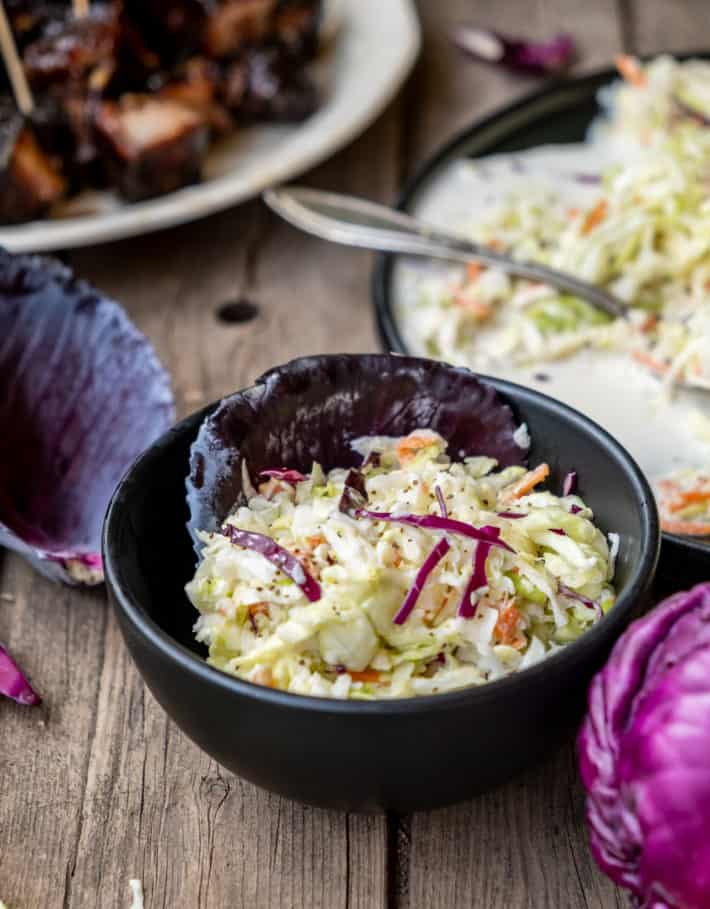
[131,95]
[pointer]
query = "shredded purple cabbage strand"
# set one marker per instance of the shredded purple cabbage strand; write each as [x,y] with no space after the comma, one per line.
[570,483]
[277,555]
[440,499]
[486,537]
[479,578]
[485,534]
[429,564]
[285,474]
[585,601]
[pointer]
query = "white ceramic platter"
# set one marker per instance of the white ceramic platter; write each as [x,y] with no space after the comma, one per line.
[373,51]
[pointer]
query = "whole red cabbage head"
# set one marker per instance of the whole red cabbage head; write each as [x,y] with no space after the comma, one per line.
[644,754]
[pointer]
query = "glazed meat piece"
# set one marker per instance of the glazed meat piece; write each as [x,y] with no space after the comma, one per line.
[29,180]
[73,49]
[72,65]
[237,24]
[223,28]
[234,24]
[103,52]
[195,84]
[153,145]
[296,27]
[264,85]
[130,95]
[173,28]
[29,18]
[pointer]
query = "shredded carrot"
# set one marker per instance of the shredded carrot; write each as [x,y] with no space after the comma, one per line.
[649,324]
[572,212]
[688,498]
[630,69]
[408,447]
[506,628]
[432,615]
[473,270]
[263,677]
[595,216]
[686,528]
[478,310]
[526,483]
[269,488]
[315,541]
[650,362]
[496,245]
[307,561]
[259,609]
[366,675]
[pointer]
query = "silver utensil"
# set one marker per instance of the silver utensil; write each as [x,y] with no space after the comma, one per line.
[357,222]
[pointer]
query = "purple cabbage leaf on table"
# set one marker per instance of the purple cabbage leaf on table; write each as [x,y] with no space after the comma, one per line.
[644,754]
[83,396]
[537,58]
[312,409]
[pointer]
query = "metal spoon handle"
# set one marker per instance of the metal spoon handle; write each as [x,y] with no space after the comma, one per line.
[357,222]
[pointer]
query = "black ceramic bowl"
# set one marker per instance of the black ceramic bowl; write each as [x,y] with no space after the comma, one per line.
[401,755]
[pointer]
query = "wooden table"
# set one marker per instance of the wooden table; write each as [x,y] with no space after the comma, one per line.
[98,786]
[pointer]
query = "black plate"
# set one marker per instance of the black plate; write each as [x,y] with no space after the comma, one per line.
[558,114]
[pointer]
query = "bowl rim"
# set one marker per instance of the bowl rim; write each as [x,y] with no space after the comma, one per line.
[169,648]
[386,321]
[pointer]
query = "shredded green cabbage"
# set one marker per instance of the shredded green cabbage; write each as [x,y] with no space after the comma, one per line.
[646,237]
[346,644]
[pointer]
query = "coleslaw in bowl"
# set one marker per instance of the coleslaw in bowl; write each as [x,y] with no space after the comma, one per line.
[414,574]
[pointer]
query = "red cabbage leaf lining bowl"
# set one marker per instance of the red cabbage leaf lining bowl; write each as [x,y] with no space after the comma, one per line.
[313,407]
[83,396]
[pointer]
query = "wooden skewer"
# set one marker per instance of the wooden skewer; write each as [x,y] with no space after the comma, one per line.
[13,64]
[81,8]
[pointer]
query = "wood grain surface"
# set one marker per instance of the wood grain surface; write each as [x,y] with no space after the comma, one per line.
[97,786]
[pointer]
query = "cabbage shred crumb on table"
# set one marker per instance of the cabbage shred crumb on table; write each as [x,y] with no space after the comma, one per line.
[414,575]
